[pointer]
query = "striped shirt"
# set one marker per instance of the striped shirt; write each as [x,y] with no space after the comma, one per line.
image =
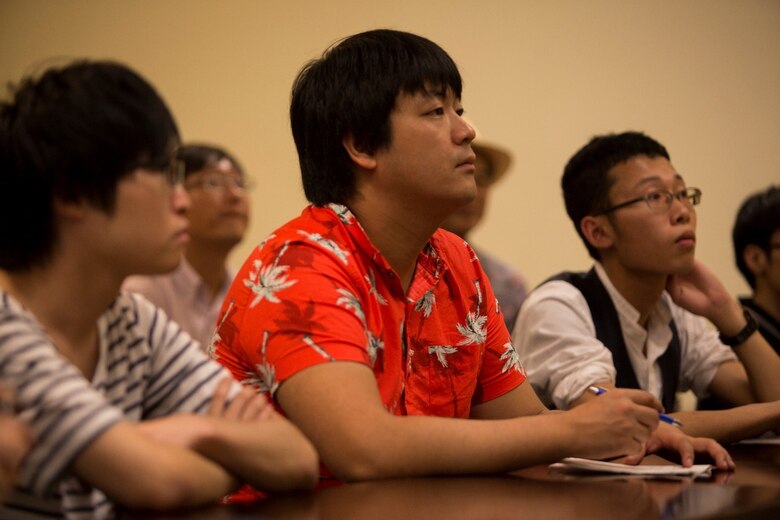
[147,368]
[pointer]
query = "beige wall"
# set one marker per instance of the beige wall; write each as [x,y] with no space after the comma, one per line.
[541,77]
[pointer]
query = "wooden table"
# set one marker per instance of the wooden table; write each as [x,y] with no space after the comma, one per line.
[752,491]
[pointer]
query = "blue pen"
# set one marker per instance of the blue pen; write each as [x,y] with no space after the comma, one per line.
[662,416]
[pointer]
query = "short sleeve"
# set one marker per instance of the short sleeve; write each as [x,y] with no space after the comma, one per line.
[501,370]
[295,307]
[181,378]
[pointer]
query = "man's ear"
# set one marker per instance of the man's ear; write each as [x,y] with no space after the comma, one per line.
[69,210]
[362,158]
[755,258]
[597,231]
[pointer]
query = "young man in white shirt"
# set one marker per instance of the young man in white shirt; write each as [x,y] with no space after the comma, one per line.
[639,318]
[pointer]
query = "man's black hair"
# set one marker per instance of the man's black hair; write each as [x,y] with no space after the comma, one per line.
[757,220]
[352,89]
[586,180]
[198,156]
[71,135]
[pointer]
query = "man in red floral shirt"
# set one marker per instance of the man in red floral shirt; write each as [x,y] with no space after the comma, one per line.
[374,331]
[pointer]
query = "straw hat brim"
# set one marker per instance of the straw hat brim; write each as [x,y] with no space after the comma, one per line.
[498,158]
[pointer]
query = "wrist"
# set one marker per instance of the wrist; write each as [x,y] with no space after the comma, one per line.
[730,320]
[739,337]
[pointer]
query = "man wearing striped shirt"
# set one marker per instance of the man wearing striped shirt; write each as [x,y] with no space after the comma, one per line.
[124,407]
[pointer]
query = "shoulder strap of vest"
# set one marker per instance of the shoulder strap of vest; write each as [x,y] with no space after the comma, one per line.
[610,333]
[670,369]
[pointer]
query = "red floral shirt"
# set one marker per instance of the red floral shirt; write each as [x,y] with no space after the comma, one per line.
[317,291]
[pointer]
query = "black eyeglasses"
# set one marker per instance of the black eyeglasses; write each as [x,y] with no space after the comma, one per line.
[660,200]
[219,182]
[174,172]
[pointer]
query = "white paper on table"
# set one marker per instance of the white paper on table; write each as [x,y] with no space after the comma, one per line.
[766,439]
[647,470]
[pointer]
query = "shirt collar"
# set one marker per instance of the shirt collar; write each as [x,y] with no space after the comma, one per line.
[661,312]
[429,266]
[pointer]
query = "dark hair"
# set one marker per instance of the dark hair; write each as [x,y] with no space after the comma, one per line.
[71,135]
[757,220]
[353,88]
[586,180]
[198,156]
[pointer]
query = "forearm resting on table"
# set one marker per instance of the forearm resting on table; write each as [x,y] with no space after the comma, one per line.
[270,454]
[734,424]
[416,446]
[359,440]
[141,473]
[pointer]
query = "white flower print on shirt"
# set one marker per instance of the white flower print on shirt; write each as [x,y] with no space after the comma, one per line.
[327,244]
[342,212]
[425,303]
[512,359]
[321,351]
[350,301]
[211,349]
[264,378]
[473,331]
[374,346]
[266,281]
[371,279]
[442,351]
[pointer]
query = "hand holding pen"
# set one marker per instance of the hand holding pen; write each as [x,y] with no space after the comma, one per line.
[662,416]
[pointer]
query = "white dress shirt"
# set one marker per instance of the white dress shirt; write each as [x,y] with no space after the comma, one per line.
[184,297]
[556,341]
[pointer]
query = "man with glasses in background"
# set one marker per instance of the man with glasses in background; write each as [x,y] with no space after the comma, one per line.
[219,214]
[639,317]
[490,164]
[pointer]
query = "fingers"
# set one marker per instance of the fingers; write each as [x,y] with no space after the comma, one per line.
[247,405]
[237,406]
[219,399]
[673,439]
[640,405]
[717,453]
[622,424]
[641,397]
[267,411]
[685,449]
[260,408]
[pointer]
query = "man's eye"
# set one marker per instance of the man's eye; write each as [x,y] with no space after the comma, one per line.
[655,196]
[438,111]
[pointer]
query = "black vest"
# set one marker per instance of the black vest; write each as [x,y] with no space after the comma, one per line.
[609,332]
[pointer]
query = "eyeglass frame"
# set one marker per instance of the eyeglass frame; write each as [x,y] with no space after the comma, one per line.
[242,184]
[174,171]
[691,196]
